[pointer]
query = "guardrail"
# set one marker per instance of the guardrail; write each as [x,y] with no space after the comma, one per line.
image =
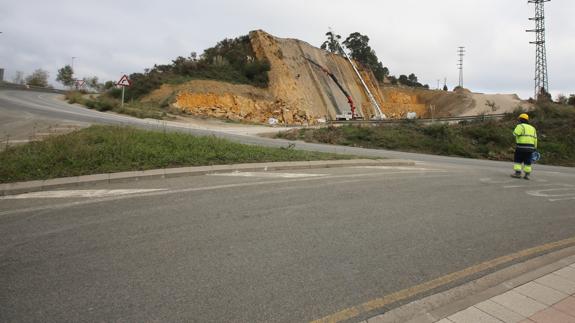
[433,120]
[12,86]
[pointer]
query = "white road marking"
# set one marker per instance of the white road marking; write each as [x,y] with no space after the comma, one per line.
[267,175]
[488,180]
[395,168]
[564,199]
[551,192]
[78,193]
[196,189]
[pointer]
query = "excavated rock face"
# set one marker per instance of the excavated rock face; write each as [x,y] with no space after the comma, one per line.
[298,92]
[300,84]
[398,102]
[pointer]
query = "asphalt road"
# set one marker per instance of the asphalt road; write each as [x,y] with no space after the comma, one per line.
[265,247]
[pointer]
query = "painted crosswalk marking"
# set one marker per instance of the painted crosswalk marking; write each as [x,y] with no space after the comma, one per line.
[77,193]
[268,175]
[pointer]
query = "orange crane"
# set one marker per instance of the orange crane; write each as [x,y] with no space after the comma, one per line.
[330,74]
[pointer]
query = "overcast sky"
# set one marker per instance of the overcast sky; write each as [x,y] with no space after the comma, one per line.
[110,38]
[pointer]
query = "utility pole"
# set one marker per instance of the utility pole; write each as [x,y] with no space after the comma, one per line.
[461,53]
[541,76]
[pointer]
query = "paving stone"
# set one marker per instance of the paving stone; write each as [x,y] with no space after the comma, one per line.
[499,311]
[518,303]
[552,315]
[473,315]
[558,283]
[566,306]
[540,293]
[567,273]
[444,321]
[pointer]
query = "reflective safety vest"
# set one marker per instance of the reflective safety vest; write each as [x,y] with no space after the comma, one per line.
[525,136]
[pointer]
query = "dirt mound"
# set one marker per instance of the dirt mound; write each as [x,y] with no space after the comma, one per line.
[494,103]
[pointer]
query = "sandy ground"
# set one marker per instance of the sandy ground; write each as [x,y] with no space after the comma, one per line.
[493,104]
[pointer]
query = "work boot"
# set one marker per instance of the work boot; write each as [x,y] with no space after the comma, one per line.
[526,176]
[516,175]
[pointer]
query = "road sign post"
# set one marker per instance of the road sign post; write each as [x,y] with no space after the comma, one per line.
[124,81]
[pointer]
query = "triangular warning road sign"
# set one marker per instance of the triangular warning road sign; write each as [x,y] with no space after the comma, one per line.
[124,81]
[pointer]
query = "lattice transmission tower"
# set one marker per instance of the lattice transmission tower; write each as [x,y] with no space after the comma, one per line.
[460,53]
[541,76]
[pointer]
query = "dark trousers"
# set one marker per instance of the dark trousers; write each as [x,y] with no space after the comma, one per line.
[522,160]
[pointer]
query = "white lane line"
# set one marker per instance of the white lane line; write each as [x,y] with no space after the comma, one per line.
[267,175]
[78,193]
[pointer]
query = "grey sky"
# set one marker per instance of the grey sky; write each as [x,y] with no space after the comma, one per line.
[420,36]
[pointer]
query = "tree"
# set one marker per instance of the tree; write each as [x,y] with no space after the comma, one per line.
[562,99]
[571,100]
[109,84]
[92,83]
[360,51]
[18,77]
[332,43]
[445,88]
[66,76]
[544,96]
[38,78]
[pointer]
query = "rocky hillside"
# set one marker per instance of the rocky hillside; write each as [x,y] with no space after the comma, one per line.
[301,92]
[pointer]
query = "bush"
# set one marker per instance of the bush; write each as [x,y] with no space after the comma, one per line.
[74,97]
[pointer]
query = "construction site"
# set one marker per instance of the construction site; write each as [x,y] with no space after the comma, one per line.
[308,85]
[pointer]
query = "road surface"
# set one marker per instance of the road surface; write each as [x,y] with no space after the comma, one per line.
[288,246]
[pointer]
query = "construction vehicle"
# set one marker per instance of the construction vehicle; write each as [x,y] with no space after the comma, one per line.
[352,115]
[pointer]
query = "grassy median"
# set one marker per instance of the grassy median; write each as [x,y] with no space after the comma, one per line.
[106,149]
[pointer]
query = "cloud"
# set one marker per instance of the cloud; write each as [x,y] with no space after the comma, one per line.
[111,38]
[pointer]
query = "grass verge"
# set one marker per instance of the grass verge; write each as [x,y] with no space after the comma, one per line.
[106,149]
[484,140]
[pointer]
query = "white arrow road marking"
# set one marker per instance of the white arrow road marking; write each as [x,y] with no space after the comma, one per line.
[77,193]
[555,194]
[267,175]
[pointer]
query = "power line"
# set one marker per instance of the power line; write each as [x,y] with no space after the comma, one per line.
[541,75]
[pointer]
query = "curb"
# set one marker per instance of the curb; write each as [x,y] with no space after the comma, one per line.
[433,308]
[66,182]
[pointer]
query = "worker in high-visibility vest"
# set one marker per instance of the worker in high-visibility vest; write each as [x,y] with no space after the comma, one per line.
[526,143]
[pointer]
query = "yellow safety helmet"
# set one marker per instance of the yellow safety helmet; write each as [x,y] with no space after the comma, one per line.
[524,116]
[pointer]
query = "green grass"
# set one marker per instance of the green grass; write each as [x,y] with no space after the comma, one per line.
[106,103]
[484,140]
[105,149]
